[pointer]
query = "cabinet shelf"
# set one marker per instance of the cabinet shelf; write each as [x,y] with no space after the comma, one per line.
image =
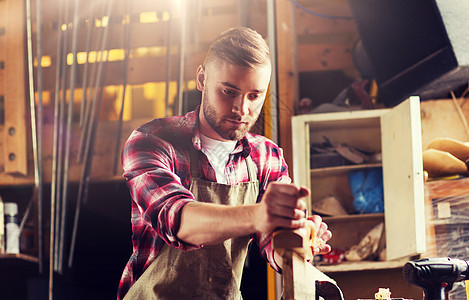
[341,169]
[20,256]
[353,218]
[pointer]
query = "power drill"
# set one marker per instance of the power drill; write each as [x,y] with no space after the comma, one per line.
[436,276]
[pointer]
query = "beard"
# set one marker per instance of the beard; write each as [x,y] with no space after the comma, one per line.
[221,124]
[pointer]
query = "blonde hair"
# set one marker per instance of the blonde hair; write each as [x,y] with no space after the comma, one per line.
[240,46]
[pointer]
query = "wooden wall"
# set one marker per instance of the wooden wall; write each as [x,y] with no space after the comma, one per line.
[149,35]
[144,49]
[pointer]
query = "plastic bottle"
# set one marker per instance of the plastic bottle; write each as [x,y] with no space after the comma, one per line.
[12,228]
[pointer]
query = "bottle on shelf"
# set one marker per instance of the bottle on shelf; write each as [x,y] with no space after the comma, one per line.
[12,229]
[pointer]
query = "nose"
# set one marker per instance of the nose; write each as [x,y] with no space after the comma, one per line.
[241,105]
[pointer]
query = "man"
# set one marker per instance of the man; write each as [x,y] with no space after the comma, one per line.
[203,187]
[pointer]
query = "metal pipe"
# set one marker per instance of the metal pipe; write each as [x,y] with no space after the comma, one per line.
[168,65]
[39,120]
[124,88]
[34,133]
[182,55]
[55,152]
[68,135]
[85,70]
[60,142]
[86,117]
[84,180]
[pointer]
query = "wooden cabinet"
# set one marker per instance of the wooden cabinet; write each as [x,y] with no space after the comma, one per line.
[395,135]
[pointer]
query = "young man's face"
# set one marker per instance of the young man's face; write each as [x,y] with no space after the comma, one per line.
[232,98]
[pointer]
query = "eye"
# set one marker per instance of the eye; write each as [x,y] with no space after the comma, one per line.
[230,92]
[254,96]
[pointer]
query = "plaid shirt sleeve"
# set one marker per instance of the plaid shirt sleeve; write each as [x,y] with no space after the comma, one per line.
[149,167]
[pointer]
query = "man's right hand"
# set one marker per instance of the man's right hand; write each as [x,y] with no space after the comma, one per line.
[282,206]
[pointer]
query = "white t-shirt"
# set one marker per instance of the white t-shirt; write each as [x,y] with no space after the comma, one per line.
[218,153]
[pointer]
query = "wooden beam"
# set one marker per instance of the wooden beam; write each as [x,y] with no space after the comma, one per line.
[14,90]
[287,75]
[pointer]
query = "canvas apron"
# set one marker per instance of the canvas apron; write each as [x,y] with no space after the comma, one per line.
[211,272]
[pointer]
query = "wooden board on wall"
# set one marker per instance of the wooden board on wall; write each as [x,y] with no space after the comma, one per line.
[13,88]
[324,42]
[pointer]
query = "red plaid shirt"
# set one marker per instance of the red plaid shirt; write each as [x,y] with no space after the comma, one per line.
[157,169]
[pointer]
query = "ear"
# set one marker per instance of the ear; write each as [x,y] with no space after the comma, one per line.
[200,78]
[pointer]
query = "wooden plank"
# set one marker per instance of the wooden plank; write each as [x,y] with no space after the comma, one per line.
[299,241]
[298,274]
[287,75]
[15,135]
[294,246]
[309,24]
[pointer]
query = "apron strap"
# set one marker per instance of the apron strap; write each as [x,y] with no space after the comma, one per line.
[194,162]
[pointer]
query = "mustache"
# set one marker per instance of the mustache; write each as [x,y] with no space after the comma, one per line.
[237,118]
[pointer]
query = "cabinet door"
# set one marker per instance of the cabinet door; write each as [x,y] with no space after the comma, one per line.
[403,180]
